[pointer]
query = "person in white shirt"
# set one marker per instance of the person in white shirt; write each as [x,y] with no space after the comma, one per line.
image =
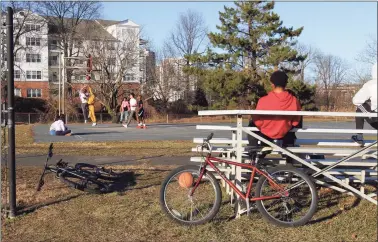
[83,94]
[133,106]
[366,101]
[59,128]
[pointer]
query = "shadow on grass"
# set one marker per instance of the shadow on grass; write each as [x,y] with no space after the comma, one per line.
[331,201]
[26,210]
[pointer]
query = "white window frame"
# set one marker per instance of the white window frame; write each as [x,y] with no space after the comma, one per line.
[17,92]
[33,75]
[17,74]
[33,58]
[33,27]
[33,41]
[34,92]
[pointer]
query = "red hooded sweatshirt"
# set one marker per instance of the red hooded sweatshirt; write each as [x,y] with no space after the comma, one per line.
[277,126]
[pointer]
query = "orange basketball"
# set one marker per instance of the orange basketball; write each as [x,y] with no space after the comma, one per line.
[186,180]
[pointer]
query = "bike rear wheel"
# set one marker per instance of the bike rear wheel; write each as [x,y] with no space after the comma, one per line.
[177,203]
[293,209]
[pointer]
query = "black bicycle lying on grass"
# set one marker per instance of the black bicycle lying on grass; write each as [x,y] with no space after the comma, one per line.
[82,176]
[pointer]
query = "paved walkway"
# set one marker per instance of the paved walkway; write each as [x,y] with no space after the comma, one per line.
[115,132]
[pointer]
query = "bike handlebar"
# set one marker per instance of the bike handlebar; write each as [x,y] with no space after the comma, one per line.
[50,154]
[209,137]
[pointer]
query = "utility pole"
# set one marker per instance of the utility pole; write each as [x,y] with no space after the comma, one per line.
[11,123]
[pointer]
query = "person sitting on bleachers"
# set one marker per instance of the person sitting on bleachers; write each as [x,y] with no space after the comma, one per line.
[276,127]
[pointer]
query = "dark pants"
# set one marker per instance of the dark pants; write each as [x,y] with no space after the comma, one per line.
[84,108]
[365,108]
[62,133]
[287,141]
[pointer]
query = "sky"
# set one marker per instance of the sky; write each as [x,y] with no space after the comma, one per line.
[338,28]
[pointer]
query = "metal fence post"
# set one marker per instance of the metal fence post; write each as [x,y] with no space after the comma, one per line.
[29,117]
[101,117]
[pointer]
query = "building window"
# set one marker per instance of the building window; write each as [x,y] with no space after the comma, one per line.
[53,60]
[111,46]
[17,92]
[53,44]
[54,77]
[129,77]
[33,75]
[17,74]
[34,92]
[111,61]
[78,44]
[17,58]
[32,41]
[33,58]
[33,27]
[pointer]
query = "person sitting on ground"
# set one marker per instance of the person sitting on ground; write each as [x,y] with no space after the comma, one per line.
[366,101]
[58,128]
[276,127]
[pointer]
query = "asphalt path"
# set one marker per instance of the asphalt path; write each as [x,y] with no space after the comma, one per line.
[116,132]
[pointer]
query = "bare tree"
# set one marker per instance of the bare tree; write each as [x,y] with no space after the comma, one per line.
[369,53]
[66,20]
[187,38]
[169,79]
[331,72]
[309,52]
[114,61]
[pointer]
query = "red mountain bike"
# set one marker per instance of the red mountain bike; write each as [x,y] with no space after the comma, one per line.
[284,196]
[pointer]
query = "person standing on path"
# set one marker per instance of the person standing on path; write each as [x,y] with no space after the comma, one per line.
[140,116]
[132,114]
[125,107]
[91,101]
[83,94]
[365,101]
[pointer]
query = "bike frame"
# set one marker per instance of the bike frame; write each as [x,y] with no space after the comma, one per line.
[209,162]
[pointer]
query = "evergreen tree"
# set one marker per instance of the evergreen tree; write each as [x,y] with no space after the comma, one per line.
[200,98]
[254,42]
[305,93]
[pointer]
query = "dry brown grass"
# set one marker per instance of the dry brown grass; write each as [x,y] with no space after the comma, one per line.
[26,145]
[135,215]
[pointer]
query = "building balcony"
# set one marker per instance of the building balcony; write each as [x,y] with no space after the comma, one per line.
[53,63]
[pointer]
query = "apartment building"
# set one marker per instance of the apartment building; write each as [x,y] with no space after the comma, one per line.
[40,62]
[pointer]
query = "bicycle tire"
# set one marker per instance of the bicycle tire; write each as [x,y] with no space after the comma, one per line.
[314,198]
[218,195]
[95,187]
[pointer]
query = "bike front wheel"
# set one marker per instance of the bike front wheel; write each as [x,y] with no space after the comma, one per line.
[298,202]
[177,203]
